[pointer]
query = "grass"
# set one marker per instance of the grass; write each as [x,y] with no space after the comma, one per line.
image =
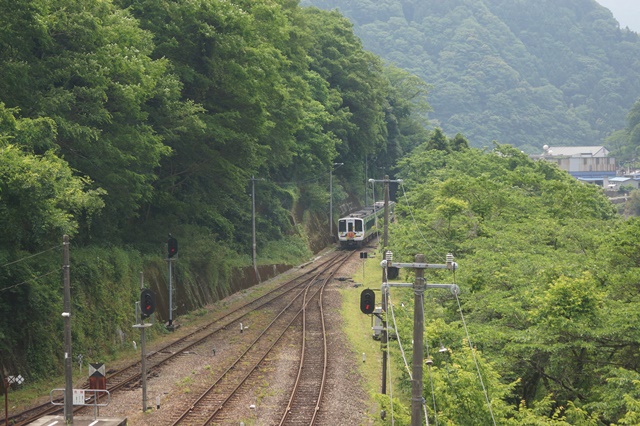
[357,327]
[185,384]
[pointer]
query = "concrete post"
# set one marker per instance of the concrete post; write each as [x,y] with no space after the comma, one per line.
[418,347]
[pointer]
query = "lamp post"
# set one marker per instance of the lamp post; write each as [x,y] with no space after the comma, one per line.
[331,197]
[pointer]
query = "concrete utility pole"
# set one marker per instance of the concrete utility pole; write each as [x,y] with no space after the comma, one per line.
[68,368]
[170,295]
[419,286]
[418,350]
[385,244]
[386,181]
[253,227]
[386,212]
[384,337]
[146,307]
[144,355]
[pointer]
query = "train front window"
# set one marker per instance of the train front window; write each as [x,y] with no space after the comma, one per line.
[358,226]
[342,226]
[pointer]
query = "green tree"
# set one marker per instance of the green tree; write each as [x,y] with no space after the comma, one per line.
[87,66]
[507,70]
[40,196]
[459,143]
[438,141]
[338,57]
[555,329]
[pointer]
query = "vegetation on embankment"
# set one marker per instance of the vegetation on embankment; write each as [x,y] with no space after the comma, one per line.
[122,122]
[549,279]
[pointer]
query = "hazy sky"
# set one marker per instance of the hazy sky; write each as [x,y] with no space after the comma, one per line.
[627,12]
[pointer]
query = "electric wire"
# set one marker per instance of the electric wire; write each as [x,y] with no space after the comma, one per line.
[393,420]
[29,280]
[31,256]
[387,367]
[424,404]
[406,199]
[475,359]
[373,186]
[404,357]
[486,395]
[395,326]
[433,391]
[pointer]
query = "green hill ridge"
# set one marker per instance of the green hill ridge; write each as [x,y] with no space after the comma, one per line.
[526,73]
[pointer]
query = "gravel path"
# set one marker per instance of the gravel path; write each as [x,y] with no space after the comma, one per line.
[348,400]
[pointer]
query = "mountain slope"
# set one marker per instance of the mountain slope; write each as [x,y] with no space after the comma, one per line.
[522,72]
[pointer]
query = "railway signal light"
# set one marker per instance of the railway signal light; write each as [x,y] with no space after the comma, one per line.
[172,245]
[367,301]
[147,302]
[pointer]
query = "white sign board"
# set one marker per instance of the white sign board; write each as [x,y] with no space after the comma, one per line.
[78,397]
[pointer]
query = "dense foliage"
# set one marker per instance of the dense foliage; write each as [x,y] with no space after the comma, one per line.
[550,287]
[624,143]
[122,121]
[526,73]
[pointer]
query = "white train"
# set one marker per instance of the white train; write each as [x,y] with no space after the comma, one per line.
[359,227]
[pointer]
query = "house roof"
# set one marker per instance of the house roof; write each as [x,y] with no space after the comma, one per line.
[577,151]
[619,179]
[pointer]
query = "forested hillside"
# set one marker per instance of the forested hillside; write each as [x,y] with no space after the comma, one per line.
[124,121]
[526,72]
[549,280]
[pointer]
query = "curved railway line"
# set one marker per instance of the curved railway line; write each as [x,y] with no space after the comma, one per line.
[289,301]
[307,392]
[210,405]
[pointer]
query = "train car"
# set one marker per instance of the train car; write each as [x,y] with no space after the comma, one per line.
[359,227]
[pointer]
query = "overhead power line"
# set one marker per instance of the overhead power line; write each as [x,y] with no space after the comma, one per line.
[31,256]
[29,280]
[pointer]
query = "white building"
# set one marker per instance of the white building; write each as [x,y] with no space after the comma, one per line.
[587,163]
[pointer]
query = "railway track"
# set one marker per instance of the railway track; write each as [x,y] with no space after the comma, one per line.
[215,404]
[307,392]
[130,376]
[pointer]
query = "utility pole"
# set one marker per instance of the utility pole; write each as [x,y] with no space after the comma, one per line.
[253,227]
[331,198]
[68,369]
[385,238]
[172,251]
[144,355]
[147,307]
[419,287]
[386,181]
[418,350]
[253,224]
[170,327]
[384,337]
